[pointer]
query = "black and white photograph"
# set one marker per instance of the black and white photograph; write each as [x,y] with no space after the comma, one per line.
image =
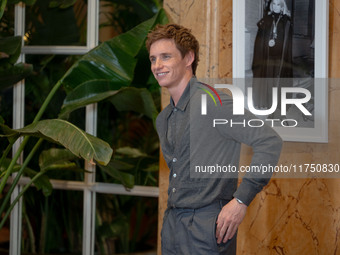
[280,47]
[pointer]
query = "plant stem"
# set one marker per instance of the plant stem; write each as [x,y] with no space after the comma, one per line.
[21,171]
[30,233]
[47,100]
[19,196]
[24,142]
[12,164]
[4,155]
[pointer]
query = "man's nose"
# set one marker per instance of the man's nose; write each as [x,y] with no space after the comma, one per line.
[158,64]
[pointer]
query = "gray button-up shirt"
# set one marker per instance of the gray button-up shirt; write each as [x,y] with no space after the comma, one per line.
[191,144]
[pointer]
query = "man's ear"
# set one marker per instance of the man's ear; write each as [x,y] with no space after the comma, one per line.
[190,56]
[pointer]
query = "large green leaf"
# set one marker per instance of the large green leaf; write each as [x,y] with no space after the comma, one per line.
[62,3]
[87,93]
[42,182]
[11,74]
[71,137]
[124,99]
[114,60]
[10,46]
[55,158]
[131,152]
[137,100]
[114,168]
[26,2]
[2,7]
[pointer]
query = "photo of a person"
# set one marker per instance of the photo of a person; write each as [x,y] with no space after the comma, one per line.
[272,57]
[284,55]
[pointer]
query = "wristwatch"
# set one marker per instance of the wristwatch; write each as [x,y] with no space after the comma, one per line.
[239,201]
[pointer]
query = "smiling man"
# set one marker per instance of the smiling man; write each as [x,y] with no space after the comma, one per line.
[203,214]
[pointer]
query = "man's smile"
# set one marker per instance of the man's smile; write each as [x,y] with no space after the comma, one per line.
[162,74]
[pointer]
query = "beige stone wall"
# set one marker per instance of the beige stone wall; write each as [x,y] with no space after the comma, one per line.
[290,216]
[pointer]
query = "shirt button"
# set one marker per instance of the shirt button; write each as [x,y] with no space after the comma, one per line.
[174,160]
[174,190]
[175,109]
[174,175]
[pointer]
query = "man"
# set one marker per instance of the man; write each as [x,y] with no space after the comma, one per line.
[203,212]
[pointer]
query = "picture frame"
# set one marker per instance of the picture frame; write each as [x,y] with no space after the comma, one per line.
[309,52]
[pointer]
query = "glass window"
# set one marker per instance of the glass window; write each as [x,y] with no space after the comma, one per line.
[126,224]
[55,23]
[53,224]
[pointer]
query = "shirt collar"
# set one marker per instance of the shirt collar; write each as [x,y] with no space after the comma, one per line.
[184,99]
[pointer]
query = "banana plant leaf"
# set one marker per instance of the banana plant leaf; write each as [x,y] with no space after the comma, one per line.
[131,152]
[2,7]
[10,48]
[11,74]
[124,99]
[70,136]
[114,60]
[4,3]
[62,3]
[42,183]
[115,167]
[87,93]
[26,2]
[55,159]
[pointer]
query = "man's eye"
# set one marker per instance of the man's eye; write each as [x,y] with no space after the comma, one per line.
[166,56]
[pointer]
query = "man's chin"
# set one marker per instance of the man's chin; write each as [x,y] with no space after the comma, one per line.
[163,84]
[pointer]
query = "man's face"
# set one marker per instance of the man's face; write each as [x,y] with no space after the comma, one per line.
[167,64]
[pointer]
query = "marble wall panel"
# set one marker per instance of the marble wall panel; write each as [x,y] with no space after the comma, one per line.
[290,216]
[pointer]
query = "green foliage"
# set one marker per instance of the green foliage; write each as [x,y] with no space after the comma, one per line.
[69,136]
[10,72]
[62,3]
[113,74]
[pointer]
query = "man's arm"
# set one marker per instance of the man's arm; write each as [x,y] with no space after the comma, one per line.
[266,145]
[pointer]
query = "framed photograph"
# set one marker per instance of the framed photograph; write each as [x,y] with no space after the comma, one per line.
[280,62]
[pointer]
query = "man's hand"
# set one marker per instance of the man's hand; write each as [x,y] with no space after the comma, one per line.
[229,219]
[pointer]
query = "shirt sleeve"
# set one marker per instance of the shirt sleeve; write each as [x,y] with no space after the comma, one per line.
[265,142]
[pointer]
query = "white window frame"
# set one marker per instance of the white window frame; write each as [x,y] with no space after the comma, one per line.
[89,186]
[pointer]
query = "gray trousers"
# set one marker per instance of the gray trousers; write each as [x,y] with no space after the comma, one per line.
[192,232]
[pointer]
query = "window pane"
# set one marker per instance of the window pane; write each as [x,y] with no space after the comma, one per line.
[47,24]
[126,224]
[53,224]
